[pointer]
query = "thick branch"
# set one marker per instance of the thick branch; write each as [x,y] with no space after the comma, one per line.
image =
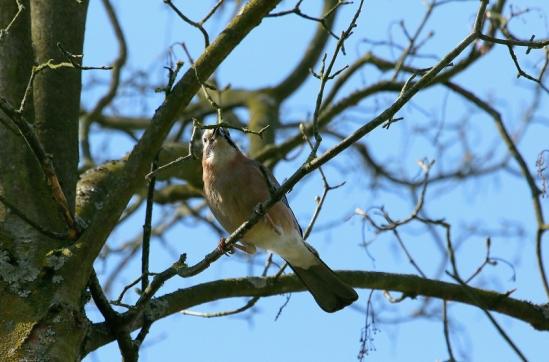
[410,285]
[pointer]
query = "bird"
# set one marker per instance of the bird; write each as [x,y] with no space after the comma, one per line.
[234,185]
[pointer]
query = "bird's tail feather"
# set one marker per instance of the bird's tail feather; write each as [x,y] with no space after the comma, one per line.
[329,291]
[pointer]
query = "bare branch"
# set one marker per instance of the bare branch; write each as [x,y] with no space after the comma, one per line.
[447,331]
[408,284]
[530,44]
[523,73]
[192,23]
[145,246]
[322,21]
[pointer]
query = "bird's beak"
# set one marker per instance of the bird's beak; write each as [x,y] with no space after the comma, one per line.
[215,132]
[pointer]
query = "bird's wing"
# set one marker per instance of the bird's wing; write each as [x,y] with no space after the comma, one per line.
[273,185]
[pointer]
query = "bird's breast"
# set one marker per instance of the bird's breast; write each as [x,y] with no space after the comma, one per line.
[223,197]
[234,191]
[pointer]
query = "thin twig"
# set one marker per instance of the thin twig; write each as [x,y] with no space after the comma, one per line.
[531,44]
[413,39]
[195,24]
[283,306]
[203,85]
[487,261]
[190,156]
[393,225]
[500,330]
[249,304]
[326,74]
[5,31]
[368,331]
[320,199]
[322,21]
[411,259]
[241,129]
[51,65]
[445,324]
[522,72]
[118,301]
[146,244]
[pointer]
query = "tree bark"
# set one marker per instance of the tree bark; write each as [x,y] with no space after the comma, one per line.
[41,319]
[57,93]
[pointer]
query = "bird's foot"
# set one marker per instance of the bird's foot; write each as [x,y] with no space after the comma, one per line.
[224,248]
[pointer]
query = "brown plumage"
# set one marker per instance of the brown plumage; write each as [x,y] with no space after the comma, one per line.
[234,185]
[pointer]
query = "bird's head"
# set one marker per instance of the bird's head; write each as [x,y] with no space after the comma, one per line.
[218,146]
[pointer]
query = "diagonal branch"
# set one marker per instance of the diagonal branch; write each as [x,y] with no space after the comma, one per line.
[46,164]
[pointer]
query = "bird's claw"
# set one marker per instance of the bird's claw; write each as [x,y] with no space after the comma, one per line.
[225,248]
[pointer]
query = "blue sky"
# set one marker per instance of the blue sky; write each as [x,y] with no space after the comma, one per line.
[304,332]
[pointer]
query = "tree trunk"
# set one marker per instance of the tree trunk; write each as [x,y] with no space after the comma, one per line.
[40,318]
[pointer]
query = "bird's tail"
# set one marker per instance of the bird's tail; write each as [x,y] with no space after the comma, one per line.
[330,292]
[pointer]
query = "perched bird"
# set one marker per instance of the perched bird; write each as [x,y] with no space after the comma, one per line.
[234,185]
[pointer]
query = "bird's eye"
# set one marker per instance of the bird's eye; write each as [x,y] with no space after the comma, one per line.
[204,140]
